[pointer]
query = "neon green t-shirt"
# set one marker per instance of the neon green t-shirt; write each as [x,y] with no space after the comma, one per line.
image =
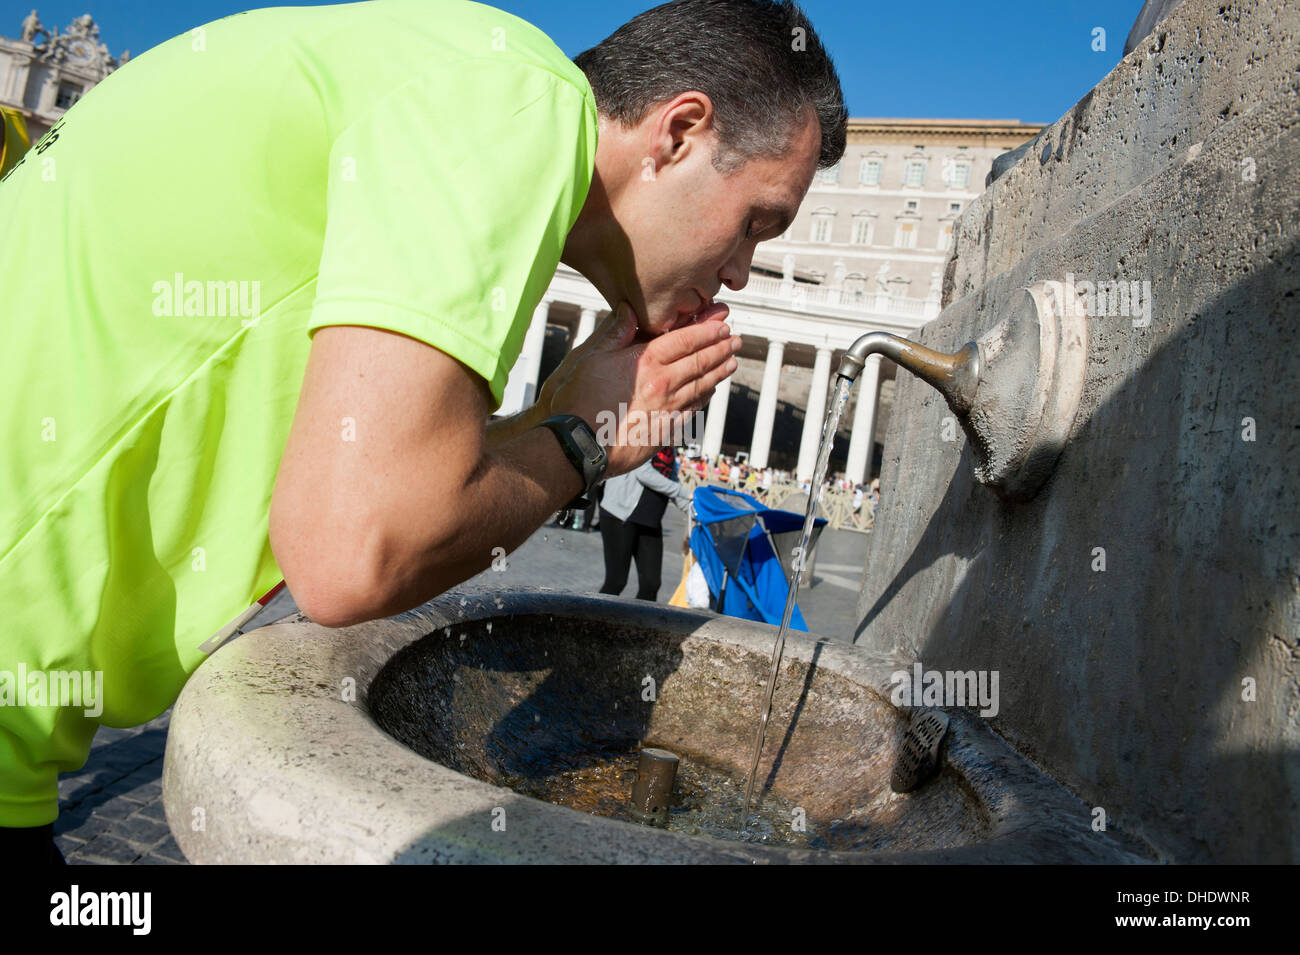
[166,253]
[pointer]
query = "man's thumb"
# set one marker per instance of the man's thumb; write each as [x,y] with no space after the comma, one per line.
[619,328]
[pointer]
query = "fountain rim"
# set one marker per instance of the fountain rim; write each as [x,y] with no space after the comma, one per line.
[293,770]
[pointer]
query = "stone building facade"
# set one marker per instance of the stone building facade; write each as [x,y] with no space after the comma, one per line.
[43,72]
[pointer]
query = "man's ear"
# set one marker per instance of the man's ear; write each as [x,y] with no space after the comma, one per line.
[685,121]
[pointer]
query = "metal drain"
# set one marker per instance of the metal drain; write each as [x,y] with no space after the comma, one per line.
[918,755]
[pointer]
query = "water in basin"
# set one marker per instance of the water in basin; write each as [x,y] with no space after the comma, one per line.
[557,709]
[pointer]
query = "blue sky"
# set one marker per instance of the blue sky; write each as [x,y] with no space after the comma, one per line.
[962,59]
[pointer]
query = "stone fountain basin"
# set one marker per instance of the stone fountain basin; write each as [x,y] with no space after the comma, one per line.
[386,742]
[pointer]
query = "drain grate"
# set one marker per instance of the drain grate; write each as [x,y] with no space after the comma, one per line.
[918,756]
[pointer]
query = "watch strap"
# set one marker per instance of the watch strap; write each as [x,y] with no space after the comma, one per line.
[583,451]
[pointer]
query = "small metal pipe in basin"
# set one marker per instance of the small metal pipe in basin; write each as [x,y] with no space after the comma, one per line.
[652,793]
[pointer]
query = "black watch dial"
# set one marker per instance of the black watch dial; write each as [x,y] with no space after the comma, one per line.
[587,444]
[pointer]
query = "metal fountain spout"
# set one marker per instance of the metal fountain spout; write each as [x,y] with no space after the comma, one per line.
[1016,391]
[955,376]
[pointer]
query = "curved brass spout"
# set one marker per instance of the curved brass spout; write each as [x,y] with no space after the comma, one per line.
[955,376]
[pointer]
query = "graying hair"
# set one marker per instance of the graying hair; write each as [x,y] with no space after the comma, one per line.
[759,61]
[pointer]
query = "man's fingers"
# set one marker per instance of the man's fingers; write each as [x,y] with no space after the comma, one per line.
[705,385]
[677,344]
[697,364]
[694,394]
[702,401]
[716,312]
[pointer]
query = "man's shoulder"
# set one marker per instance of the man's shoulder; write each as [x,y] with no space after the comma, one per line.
[480,31]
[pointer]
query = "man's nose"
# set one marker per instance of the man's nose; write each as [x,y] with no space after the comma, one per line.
[735,274]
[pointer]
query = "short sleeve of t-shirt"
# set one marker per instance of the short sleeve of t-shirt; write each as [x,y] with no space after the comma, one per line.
[448,205]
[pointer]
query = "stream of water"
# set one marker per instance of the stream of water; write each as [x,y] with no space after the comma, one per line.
[838,399]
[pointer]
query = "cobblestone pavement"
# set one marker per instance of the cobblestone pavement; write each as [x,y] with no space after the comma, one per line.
[111,812]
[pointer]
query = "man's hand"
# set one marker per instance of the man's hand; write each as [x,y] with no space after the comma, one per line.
[625,388]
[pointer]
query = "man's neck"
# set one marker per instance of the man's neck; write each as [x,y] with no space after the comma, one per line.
[588,245]
[596,243]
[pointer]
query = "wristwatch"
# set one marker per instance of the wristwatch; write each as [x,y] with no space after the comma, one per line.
[583,451]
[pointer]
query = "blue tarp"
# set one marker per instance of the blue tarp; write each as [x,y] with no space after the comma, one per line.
[730,543]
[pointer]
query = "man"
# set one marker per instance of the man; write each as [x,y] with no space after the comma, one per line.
[265,284]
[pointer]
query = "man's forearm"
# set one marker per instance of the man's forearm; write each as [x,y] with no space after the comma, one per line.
[521,479]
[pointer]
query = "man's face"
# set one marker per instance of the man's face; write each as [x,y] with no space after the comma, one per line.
[690,230]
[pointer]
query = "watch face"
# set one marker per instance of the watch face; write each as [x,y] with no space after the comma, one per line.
[591,450]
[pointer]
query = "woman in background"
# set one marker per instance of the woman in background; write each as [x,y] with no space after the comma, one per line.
[631,523]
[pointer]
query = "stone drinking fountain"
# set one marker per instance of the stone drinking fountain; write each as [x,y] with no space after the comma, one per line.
[420,738]
[1097,504]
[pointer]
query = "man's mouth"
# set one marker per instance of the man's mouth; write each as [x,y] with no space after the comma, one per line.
[689,314]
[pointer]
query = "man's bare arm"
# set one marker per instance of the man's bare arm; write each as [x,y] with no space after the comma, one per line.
[390,491]
[386,489]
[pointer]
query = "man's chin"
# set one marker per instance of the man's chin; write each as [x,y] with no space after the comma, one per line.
[647,329]
[653,328]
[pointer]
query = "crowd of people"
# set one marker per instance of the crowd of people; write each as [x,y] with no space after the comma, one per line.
[740,476]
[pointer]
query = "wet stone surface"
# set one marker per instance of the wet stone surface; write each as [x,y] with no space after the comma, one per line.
[558,711]
[706,799]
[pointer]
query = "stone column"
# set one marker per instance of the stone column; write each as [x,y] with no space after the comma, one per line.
[766,416]
[862,437]
[521,387]
[815,416]
[586,325]
[716,419]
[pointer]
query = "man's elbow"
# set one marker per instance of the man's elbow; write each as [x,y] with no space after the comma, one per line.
[327,605]
[331,583]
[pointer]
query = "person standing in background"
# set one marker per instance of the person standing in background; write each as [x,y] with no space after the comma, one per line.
[631,523]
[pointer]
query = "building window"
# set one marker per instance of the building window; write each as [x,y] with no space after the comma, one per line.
[945,237]
[954,207]
[905,235]
[831,175]
[68,94]
[821,230]
[861,230]
[911,205]
[869,172]
[956,174]
[914,174]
